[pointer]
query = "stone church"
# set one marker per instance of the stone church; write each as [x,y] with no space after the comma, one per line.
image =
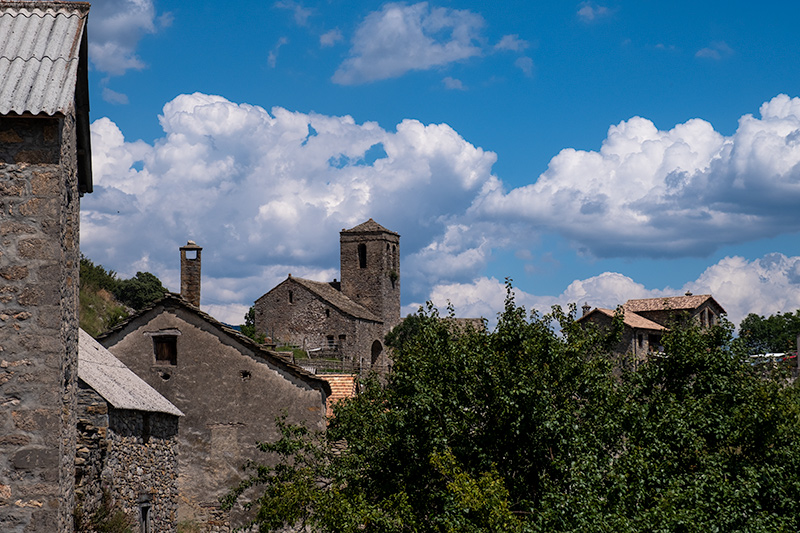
[348,319]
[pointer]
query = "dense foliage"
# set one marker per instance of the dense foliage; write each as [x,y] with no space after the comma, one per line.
[774,334]
[530,429]
[106,300]
[249,326]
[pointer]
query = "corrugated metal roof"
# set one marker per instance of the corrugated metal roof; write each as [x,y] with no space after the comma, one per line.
[40,45]
[115,382]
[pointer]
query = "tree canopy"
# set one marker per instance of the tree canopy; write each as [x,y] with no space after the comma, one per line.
[774,334]
[535,428]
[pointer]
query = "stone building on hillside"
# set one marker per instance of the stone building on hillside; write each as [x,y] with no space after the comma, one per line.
[646,320]
[45,165]
[344,320]
[127,443]
[229,388]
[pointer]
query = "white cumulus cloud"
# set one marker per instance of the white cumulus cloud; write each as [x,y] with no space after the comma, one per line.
[400,38]
[115,30]
[685,191]
[765,286]
[260,188]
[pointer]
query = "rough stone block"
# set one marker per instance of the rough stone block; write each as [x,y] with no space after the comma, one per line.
[30,459]
[14,273]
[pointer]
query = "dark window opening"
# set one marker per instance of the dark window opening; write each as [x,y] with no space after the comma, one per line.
[641,340]
[145,428]
[362,256]
[377,348]
[291,297]
[331,343]
[327,313]
[166,349]
[654,341]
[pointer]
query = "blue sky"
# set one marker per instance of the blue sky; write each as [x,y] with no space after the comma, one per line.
[592,151]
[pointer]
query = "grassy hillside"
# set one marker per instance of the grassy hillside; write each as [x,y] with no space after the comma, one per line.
[105,301]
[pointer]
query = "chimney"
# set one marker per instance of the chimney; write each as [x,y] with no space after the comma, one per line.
[586,308]
[190,273]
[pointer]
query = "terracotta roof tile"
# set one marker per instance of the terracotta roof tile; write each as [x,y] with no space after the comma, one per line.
[630,319]
[342,386]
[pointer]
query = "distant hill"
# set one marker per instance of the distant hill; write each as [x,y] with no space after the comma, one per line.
[105,300]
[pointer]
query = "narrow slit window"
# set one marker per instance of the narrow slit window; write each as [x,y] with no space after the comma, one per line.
[362,256]
[291,297]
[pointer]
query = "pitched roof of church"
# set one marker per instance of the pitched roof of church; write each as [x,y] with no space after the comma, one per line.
[336,298]
[669,303]
[369,226]
[115,382]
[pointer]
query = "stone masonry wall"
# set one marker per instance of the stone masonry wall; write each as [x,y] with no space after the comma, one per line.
[230,399]
[142,464]
[131,455]
[308,321]
[38,322]
[377,285]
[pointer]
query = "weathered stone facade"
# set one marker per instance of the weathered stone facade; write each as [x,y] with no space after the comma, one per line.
[44,167]
[646,320]
[347,320]
[130,455]
[370,270]
[230,390]
[38,321]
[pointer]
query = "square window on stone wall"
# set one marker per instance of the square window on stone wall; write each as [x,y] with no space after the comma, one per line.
[165,348]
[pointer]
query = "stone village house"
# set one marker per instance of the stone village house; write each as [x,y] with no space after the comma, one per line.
[347,319]
[230,389]
[45,165]
[646,320]
[127,443]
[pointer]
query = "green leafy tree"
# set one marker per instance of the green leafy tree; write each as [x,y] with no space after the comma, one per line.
[529,428]
[139,291]
[774,334]
[249,326]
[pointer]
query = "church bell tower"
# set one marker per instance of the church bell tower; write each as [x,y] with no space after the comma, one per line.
[370,269]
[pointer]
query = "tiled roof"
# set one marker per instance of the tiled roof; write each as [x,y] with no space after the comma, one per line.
[277,358]
[630,319]
[40,45]
[342,386]
[115,382]
[336,299]
[667,303]
[368,226]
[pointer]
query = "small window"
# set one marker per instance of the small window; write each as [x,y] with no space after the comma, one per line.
[331,343]
[641,340]
[327,313]
[165,348]
[291,297]
[362,256]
